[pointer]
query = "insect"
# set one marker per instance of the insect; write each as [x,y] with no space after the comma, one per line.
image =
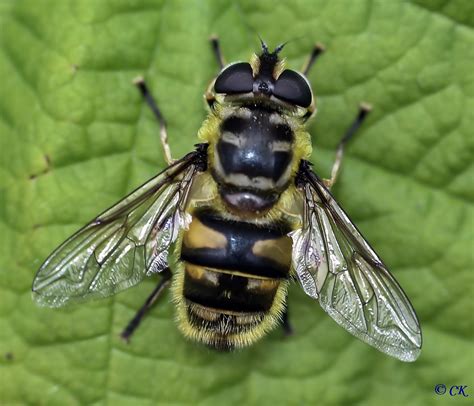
[231,223]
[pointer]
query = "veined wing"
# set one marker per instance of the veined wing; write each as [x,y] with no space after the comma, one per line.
[124,244]
[336,265]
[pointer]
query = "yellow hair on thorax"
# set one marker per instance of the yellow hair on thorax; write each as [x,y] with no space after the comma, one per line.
[255,64]
[210,133]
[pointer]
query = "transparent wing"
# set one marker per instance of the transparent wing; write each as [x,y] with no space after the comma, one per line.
[122,245]
[336,265]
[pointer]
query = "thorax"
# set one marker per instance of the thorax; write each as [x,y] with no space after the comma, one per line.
[252,158]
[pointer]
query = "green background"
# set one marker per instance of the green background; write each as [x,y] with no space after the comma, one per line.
[75,137]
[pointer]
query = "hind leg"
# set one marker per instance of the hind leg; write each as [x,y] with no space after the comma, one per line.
[286,325]
[150,301]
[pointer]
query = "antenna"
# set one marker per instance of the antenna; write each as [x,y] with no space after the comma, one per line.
[264,46]
[279,48]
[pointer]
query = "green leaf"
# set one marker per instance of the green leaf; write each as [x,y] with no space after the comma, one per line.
[75,137]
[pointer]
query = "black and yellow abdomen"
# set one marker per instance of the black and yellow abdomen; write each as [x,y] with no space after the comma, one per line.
[233,279]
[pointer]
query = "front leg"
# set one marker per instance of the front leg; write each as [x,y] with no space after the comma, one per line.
[216,49]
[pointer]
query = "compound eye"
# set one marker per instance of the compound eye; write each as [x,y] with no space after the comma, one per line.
[237,78]
[293,88]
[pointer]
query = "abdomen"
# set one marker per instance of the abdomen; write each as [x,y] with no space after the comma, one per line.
[232,282]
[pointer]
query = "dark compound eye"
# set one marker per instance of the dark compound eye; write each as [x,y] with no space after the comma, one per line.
[237,78]
[293,88]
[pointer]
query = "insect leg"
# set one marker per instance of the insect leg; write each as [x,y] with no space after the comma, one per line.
[209,96]
[364,109]
[159,289]
[216,48]
[318,49]
[140,83]
[287,327]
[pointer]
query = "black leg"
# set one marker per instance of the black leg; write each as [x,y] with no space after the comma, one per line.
[159,289]
[286,325]
[364,109]
[140,83]
[317,51]
[217,50]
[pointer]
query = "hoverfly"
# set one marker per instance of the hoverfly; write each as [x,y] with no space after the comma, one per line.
[232,222]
